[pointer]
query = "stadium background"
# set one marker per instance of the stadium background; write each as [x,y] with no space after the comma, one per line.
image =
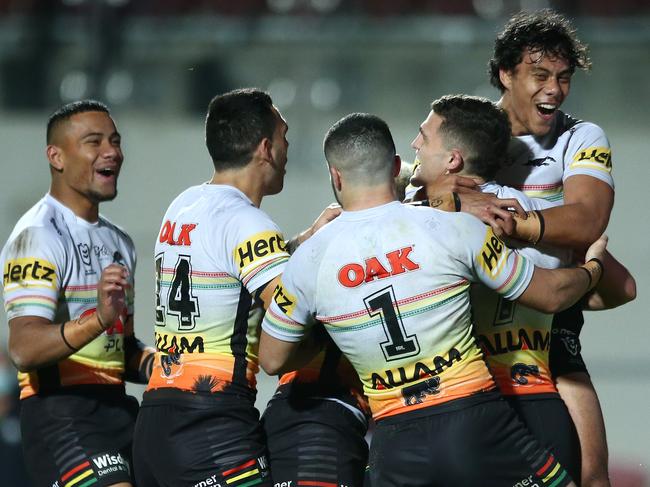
[158,63]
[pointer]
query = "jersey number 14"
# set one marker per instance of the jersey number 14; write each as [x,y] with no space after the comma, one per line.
[180,301]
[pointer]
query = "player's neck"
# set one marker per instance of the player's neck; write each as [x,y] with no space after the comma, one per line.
[370,197]
[79,204]
[242,180]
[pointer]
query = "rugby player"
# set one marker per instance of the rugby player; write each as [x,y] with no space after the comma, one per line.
[316,422]
[68,293]
[468,136]
[390,283]
[217,260]
[568,162]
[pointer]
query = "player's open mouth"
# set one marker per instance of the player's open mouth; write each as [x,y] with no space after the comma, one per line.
[107,172]
[546,110]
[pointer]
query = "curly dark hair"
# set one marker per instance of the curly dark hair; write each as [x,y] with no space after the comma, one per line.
[476,126]
[545,32]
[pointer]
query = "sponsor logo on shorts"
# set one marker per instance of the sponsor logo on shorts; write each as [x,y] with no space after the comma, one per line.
[400,376]
[284,299]
[601,156]
[169,235]
[108,464]
[395,262]
[492,257]
[259,246]
[30,269]
[210,481]
[527,482]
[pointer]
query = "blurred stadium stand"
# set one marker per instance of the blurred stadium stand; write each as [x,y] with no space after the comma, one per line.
[157,63]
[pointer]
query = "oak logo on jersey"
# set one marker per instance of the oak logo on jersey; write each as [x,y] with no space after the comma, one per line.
[599,155]
[284,299]
[401,376]
[30,269]
[492,257]
[259,246]
[396,262]
[169,235]
[170,343]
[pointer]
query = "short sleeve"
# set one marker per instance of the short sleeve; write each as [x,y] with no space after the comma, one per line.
[498,267]
[589,153]
[33,270]
[259,250]
[291,310]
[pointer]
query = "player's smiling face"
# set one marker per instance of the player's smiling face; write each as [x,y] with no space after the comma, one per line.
[430,151]
[535,89]
[91,157]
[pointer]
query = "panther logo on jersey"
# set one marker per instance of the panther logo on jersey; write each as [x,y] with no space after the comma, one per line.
[519,372]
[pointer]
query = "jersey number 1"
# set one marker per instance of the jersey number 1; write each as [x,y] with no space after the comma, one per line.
[180,300]
[398,344]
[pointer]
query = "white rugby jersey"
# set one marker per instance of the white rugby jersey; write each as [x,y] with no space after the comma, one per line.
[391,286]
[52,263]
[538,166]
[214,250]
[515,339]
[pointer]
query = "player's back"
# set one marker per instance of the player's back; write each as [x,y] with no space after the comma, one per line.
[214,249]
[391,285]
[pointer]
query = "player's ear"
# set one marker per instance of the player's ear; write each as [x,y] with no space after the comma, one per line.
[264,148]
[55,157]
[335,176]
[397,165]
[456,162]
[505,76]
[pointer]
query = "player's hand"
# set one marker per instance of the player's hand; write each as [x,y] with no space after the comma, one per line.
[111,295]
[597,249]
[326,216]
[493,211]
[446,183]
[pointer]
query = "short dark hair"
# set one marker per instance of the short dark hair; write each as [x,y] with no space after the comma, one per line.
[545,32]
[64,113]
[476,126]
[236,123]
[361,145]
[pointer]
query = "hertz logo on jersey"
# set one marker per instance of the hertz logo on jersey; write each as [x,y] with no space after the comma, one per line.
[259,246]
[594,157]
[284,299]
[30,269]
[492,257]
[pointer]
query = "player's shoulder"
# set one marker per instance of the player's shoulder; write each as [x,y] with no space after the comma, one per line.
[43,219]
[117,229]
[579,128]
[41,228]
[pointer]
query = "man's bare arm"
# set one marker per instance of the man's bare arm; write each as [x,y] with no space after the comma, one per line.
[35,342]
[554,290]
